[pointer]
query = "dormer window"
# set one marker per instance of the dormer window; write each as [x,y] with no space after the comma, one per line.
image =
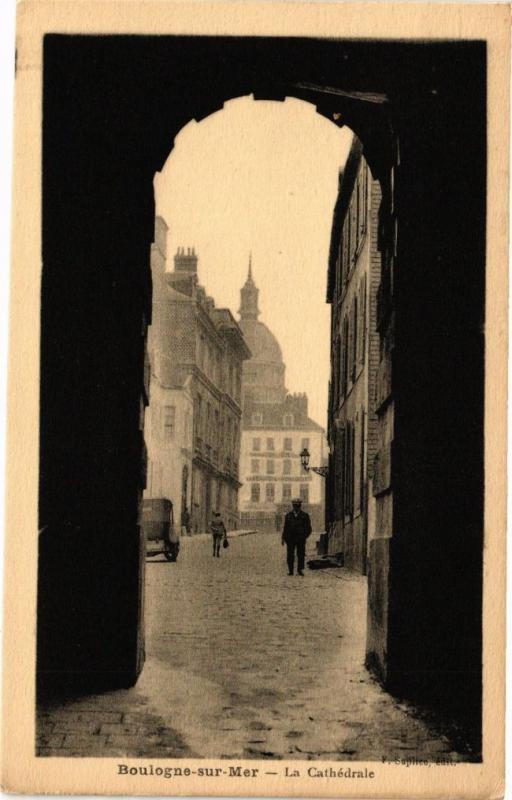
[288,420]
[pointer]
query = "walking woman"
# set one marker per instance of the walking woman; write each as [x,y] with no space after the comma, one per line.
[219,532]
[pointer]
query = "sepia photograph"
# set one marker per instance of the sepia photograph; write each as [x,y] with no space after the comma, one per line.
[261,437]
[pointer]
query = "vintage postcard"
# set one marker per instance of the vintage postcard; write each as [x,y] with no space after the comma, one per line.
[257,396]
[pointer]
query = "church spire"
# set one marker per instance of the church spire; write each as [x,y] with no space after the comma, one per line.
[249,296]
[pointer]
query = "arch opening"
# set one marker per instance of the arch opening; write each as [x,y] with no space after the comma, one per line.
[109,221]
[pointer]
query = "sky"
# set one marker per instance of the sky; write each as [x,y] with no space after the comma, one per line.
[261,177]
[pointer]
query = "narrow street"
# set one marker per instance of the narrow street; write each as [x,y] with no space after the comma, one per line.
[245,661]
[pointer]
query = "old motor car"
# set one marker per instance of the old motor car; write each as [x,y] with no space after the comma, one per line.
[162,536]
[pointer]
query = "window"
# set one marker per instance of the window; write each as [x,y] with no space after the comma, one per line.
[345,250]
[201,352]
[287,491]
[337,371]
[337,279]
[169,422]
[208,432]
[304,443]
[255,466]
[348,470]
[256,444]
[304,492]
[270,444]
[350,347]
[338,462]
[288,420]
[362,483]
[255,493]
[270,466]
[199,415]
[362,317]
[344,358]
[287,466]
[287,445]
[355,340]
[256,419]
[270,492]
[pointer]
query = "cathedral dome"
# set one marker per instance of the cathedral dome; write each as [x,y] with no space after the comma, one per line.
[261,342]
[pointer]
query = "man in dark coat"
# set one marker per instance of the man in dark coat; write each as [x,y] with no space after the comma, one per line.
[297,528]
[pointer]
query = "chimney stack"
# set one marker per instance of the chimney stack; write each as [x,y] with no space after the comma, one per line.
[185,261]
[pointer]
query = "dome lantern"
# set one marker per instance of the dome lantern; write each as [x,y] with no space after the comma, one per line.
[249,297]
[262,374]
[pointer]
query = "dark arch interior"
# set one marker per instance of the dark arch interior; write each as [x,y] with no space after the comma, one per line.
[112,106]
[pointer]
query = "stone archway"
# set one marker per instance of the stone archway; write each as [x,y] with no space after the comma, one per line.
[112,107]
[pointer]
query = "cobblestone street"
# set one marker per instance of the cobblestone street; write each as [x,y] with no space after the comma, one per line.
[244,661]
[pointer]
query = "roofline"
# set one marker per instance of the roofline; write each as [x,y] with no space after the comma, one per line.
[309,425]
[346,182]
[234,328]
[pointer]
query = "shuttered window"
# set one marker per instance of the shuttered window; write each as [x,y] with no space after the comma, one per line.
[339,483]
[362,316]
[344,362]
[348,471]
[355,339]
[362,482]
[350,346]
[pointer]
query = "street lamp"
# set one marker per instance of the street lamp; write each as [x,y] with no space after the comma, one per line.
[304,460]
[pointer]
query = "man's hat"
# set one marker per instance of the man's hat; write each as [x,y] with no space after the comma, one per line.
[297,501]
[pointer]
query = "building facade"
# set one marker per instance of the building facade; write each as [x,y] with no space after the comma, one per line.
[168,426]
[353,280]
[276,427]
[196,353]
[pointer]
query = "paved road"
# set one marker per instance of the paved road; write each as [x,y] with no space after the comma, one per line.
[263,664]
[245,661]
